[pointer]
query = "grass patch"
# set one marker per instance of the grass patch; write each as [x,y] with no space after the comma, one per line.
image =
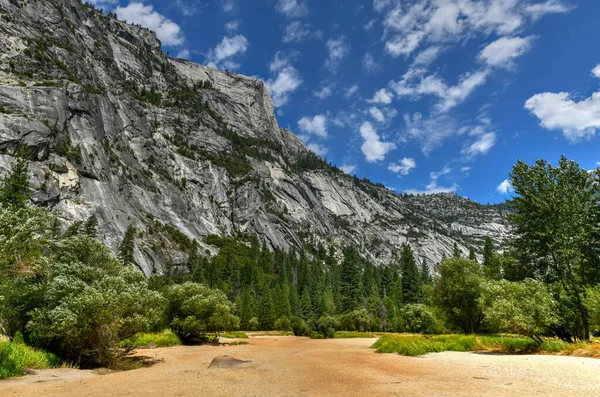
[162,339]
[15,358]
[418,345]
[354,334]
[235,335]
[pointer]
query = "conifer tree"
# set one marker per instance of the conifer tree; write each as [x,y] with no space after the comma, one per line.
[127,246]
[456,251]
[472,256]
[14,189]
[411,279]
[90,228]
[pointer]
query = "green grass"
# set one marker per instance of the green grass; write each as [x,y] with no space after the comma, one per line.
[15,358]
[418,345]
[162,339]
[356,334]
[235,335]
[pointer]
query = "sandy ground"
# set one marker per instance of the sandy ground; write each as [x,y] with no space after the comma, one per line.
[290,366]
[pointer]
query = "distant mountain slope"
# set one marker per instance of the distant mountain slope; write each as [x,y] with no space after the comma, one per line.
[118,129]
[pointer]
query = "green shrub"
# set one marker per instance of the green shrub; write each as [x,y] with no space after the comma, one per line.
[162,339]
[15,358]
[283,324]
[91,303]
[419,319]
[327,325]
[198,314]
[299,327]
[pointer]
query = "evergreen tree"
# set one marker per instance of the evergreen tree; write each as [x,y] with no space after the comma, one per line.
[267,315]
[351,280]
[127,246]
[306,305]
[411,279]
[426,278]
[472,256]
[491,262]
[90,228]
[488,252]
[14,189]
[73,230]
[456,251]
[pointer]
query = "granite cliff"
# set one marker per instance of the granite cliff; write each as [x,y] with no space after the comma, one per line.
[118,129]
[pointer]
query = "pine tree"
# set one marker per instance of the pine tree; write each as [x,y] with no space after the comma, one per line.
[411,280]
[491,264]
[488,252]
[14,189]
[350,281]
[472,256]
[90,228]
[306,305]
[73,230]
[425,273]
[127,246]
[456,251]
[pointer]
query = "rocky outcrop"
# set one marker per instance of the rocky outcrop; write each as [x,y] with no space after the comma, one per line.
[181,151]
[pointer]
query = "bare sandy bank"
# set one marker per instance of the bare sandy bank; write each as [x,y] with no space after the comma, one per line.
[290,366]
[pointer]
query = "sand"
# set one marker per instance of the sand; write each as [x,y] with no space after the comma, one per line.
[290,366]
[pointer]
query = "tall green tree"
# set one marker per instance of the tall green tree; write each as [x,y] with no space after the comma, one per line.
[127,246]
[491,262]
[556,224]
[14,189]
[457,290]
[472,256]
[411,279]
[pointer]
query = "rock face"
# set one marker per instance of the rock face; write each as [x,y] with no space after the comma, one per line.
[181,151]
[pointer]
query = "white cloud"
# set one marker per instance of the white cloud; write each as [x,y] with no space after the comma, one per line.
[314,126]
[370,65]
[406,165]
[382,96]
[292,8]
[408,25]
[373,148]
[167,31]
[183,53]
[481,146]
[433,85]
[503,51]
[297,31]
[380,5]
[350,91]
[596,71]
[427,56]
[221,56]
[377,114]
[338,50]
[369,25]
[228,6]
[430,132]
[505,187]
[317,148]
[433,187]
[348,169]
[232,26]
[325,92]
[538,10]
[577,120]
[187,9]
[287,79]
[457,94]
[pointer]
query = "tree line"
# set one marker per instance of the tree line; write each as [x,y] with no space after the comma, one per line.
[67,293]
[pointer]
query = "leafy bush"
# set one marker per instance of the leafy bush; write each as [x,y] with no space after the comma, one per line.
[91,303]
[283,324]
[198,314]
[327,325]
[15,358]
[162,339]
[419,319]
[526,307]
[299,327]
[357,320]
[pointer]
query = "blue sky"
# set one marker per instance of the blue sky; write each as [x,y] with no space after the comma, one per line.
[422,96]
